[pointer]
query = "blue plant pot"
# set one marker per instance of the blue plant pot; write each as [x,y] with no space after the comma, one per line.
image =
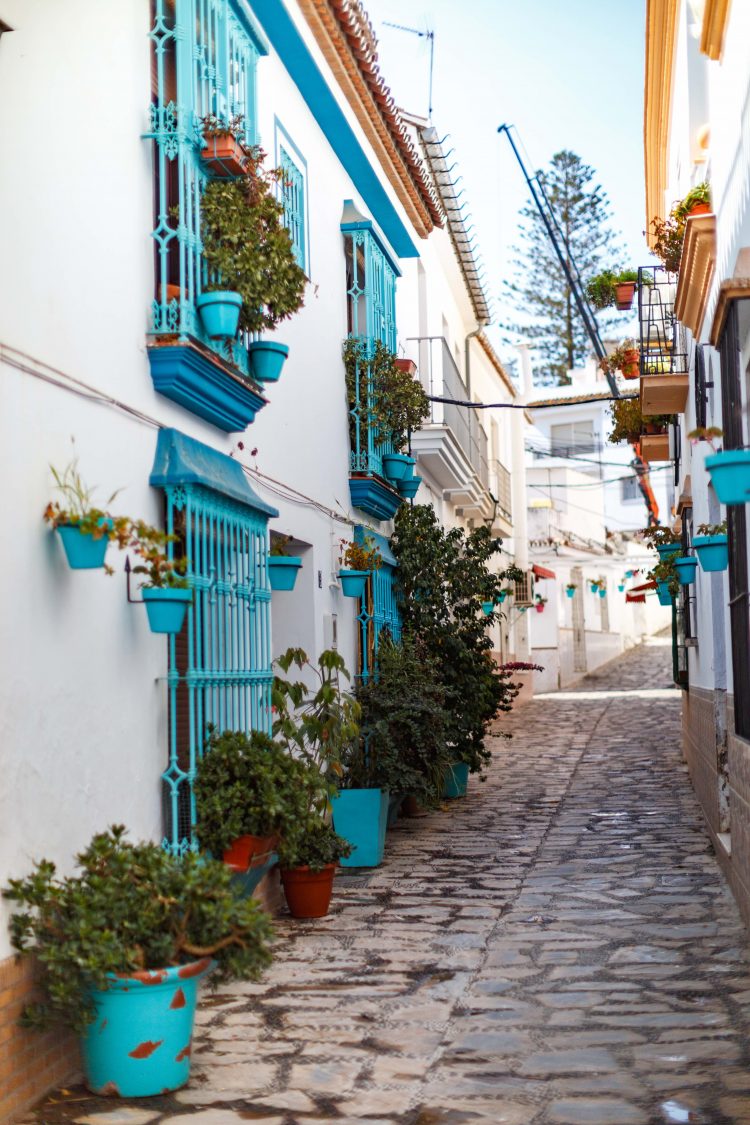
[712,551]
[408,487]
[602,593]
[353,582]
[686,568]
[663,594]
[628,574]
[361,817]
[267,358]
[456,780]
[139,1043]
[220,313]
[621,586]
[570,593]
[667,550]
[84,552]
[166,607]
[397,467]
[487,608]
[501,598]
[730,475]
[282,571]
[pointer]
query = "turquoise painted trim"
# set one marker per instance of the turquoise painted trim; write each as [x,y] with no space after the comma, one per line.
[181,460]
[380,542]
[283,140]
[369,495]
[242,10]
[369,226]
[306,75]
[187,376]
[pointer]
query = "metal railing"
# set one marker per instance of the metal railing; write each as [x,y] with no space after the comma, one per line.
[502,489]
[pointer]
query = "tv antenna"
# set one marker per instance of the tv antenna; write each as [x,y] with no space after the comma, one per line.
[430,37]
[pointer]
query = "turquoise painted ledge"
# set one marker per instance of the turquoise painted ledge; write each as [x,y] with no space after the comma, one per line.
[372,496]
[204,386]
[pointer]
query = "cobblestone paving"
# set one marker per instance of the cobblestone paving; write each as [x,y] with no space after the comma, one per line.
[559,947]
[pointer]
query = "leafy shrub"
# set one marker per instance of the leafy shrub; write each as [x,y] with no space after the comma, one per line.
[133,907]
[316,846]
[397,401]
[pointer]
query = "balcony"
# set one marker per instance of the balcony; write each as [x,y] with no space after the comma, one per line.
[500,486]
[368,487]
[453,445]
[664,370]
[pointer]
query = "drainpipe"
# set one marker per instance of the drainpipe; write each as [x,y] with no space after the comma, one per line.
[467,356]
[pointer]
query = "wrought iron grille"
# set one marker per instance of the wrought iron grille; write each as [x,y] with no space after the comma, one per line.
[658,338]
[378,611]
[524,590]
[293,202]
[220,664]
[204,63]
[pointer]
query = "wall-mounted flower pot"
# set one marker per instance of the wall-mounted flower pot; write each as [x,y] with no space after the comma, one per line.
[712,552]
[501,597]
[686,568]
[730,475]
[602,593]
[361,817]
[406,365]
[487,608]
[624,293]
[139,1044]
[267,359]
[456,780]
[570,593]
[308,893]
[249,851]
[408,487]
[353,582]
[220,312]
[699,209]
[397,467]
[283,571]
[630,368]
[83,551]
[166,607]
[539,608]
[621,586]
[663,594]
[225,156]
[667,550]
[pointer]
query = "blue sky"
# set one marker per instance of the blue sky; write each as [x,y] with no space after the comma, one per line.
[566,73]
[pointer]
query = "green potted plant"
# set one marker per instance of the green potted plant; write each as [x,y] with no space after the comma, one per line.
[84,529]
[624,359]
[539,603]
[663,540]
[696,202]
[309,865]
[248,250]
[711,546]
[625,283]
[166,590]
[669,235]
[666,577]
[282,567]
[356,563]
[601,289]
[224,152]
[123,946]
[570,589]
[249,794]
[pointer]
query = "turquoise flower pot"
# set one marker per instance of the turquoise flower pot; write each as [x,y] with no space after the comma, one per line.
[712,551]
[487,608]
[361,817]
[663,594]
[353,582]
[686,568]
[83,551]
[397,467]
[570,593]
[602,593]
[282,571]
[220,313]
[501,598]
[267,358]
[628,574]
[166,607]
[730,475]
[667,550]
[139,1043]
[456,780]
[621,586]
[408,487]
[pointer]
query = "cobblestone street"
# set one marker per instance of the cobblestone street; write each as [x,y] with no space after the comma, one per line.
[559,947]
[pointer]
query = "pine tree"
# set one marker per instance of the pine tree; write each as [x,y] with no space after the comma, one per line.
[539,292]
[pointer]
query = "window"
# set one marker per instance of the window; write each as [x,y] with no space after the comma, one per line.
[293,202]
[378,607]
[629,489]
[572,438]
[204,59]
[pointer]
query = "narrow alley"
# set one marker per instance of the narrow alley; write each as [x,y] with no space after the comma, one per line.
[559,948]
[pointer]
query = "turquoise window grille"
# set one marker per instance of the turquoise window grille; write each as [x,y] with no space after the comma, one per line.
[205,58]
[378,607]
[371,316]
[219,670]
[293,202]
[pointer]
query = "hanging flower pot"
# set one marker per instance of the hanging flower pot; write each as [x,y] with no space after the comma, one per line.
[456,780]
[220,312]
[602,592]
[621,586]
[225,156]
[353,582]
[730,475]
[398,467]
[663,594]
[308,893]
[624,293]
[408,487]
[487,608]
[249,851]
[267,358]
[139,1044]
[570,591]
[501,597]
[166,607]
[283,571]
[686,568]
[712,552]
[667,550]
[82,550]
[539,608]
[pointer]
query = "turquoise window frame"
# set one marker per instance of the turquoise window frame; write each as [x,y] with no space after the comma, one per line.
[293,202]
[378,609]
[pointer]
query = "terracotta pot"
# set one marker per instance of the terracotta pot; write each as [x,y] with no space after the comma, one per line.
[308,893]
[653,428]
[250,851]
[174,293]
[411,806]
[700,209]
[407,365]
[225,156]
[629,369]
[624,293]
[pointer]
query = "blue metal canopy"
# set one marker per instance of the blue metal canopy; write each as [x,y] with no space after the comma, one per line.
[182,460]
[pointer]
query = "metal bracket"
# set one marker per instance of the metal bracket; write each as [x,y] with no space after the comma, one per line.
[133,601]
